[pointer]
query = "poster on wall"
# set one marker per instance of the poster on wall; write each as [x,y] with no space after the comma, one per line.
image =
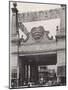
[37,44]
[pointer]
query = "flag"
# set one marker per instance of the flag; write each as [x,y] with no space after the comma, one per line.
[23,32]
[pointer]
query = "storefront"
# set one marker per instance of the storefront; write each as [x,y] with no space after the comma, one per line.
[34,67]
[38,59]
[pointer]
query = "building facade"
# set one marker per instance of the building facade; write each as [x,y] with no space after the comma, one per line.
[37,58]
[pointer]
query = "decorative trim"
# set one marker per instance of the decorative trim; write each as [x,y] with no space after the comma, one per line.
[38,52]
[37,33]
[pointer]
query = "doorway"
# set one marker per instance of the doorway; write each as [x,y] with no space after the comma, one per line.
[28,67]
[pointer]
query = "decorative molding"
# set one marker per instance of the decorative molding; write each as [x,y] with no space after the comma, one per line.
[38,52]
[14,9]
[37,33]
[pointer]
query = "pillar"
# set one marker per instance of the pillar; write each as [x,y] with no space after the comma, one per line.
[28,73]
[13,45]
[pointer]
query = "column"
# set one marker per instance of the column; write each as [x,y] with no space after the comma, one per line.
[13,40]
[28,73]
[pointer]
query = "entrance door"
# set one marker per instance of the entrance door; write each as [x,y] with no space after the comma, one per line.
[34,73]
[28,72]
